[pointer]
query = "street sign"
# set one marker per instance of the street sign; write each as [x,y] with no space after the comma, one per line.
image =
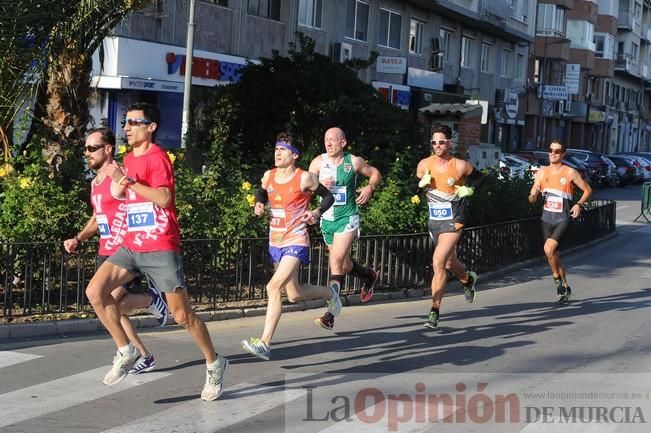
[572,77]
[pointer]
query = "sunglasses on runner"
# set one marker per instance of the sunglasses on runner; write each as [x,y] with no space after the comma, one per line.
[555,151]
[135,122]
[441,142]
[93,147]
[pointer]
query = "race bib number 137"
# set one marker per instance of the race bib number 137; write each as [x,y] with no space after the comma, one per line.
[141,216]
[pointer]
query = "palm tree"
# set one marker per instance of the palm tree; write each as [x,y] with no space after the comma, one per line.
[45,51]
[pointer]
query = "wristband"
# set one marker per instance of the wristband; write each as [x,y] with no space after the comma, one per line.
[129,181]
[78,239]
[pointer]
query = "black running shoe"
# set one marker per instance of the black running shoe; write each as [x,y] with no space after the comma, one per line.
[432,320]
[566,296]
[560,288]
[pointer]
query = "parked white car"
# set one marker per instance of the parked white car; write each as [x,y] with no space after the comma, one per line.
[514,166]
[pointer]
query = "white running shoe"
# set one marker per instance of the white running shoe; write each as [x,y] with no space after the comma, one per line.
[122,363]
[214,386]
[334,303]
[257,347]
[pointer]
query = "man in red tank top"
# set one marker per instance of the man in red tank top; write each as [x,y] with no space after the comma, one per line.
[109,220]
[556,183]
[152,246]
[444,178]
[288,191]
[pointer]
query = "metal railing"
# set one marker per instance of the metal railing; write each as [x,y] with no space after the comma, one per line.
[40,278]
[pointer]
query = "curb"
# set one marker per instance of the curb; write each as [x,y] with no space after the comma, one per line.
[65,328]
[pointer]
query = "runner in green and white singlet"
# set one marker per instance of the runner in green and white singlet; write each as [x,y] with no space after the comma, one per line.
[344,215]
[338,172]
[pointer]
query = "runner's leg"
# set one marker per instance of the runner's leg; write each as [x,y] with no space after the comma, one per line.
[107,277]
[445,246]
[120,295]
[179,305]
[286,271]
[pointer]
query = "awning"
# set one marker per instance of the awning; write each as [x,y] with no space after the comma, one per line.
[452,109]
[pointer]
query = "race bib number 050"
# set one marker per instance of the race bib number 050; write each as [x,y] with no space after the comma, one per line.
[440,211]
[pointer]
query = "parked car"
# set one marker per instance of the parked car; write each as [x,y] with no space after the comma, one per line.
[614,178]
[643,159]
[599,171]
[626,170]
[514,166]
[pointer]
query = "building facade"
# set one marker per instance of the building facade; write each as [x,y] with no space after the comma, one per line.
[448,51]
[589,75]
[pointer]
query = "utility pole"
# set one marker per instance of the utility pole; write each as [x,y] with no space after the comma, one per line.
[187,82]
[541,120]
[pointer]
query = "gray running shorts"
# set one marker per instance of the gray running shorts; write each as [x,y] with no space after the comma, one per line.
[163,269]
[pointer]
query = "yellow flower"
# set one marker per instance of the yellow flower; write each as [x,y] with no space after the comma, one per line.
[25,182]
[172,157]
[246,186]
[251,199]
[415,199]
[122,149]
[3,172]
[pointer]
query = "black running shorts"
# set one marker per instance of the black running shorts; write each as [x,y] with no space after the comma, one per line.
[554,231]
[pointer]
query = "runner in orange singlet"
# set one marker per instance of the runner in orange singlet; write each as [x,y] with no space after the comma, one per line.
[556,182]
[288,190]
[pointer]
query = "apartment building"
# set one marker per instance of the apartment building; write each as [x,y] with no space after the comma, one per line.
[447,51]
[589,73]
[627,96]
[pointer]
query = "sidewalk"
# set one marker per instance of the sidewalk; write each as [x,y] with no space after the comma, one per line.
[64,328]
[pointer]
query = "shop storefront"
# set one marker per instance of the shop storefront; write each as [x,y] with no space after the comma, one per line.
[141,71]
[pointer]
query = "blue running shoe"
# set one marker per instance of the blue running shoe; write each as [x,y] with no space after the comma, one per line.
[158,307]
[143,365]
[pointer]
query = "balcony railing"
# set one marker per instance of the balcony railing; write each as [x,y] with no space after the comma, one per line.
[623,60]
[40,278]
[625,20]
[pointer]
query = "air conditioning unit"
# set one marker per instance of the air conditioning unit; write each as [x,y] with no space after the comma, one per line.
[340,52]
[436,62]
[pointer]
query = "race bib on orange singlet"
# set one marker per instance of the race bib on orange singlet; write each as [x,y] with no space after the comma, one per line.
[440,211]
[553,204]
[278,223]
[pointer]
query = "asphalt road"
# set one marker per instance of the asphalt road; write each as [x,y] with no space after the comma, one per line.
[513,361]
